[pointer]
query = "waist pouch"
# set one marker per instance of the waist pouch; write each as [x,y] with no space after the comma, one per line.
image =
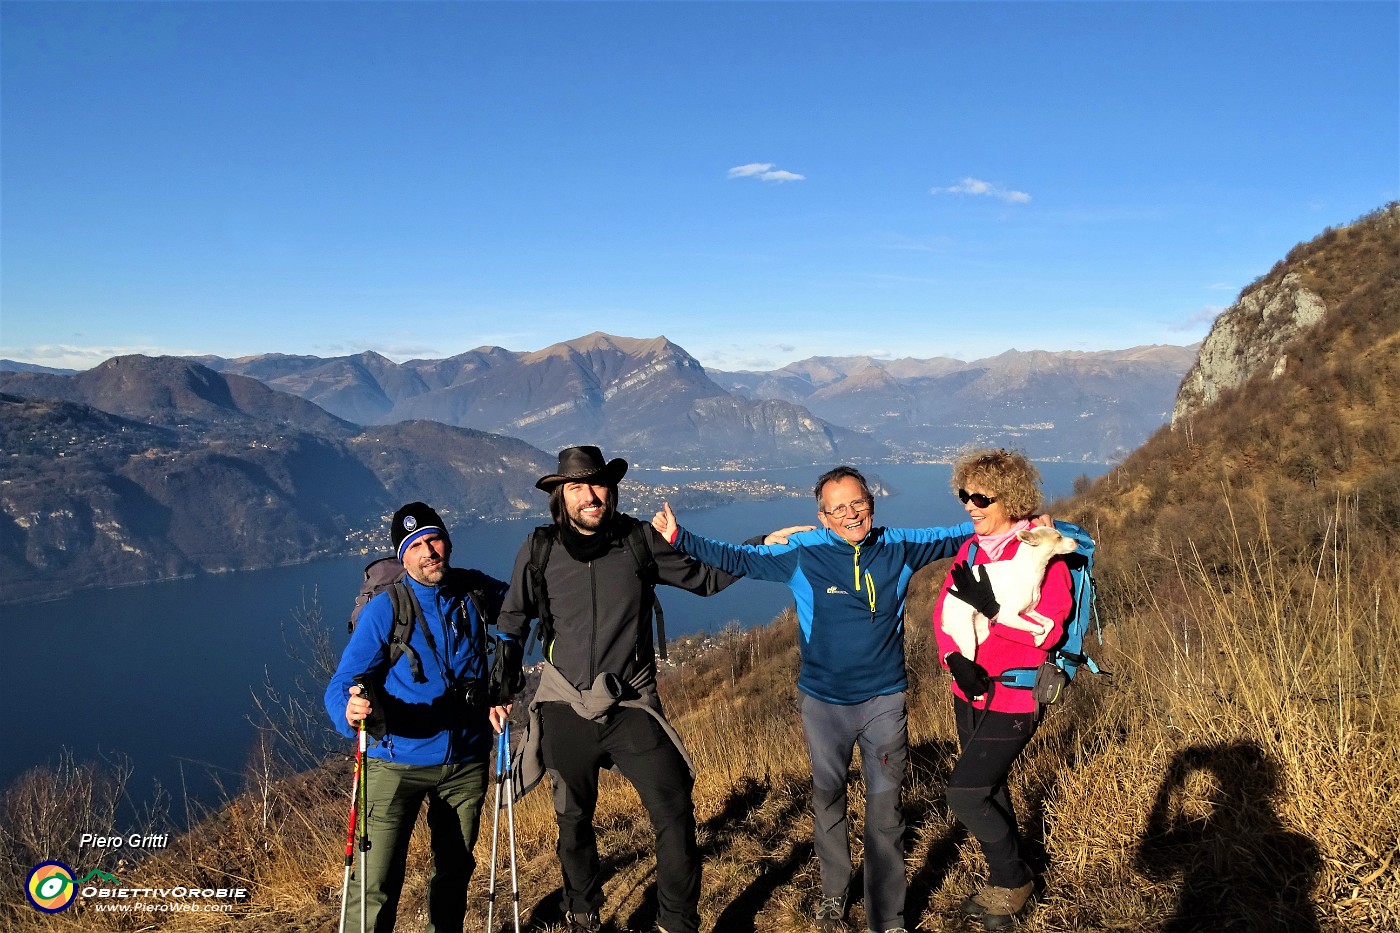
[1050,682]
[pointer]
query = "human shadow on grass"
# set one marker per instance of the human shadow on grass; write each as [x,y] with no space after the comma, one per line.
[735,820]
[746,798]
[1240,868]
[929,761]
[741,914]
[549,912]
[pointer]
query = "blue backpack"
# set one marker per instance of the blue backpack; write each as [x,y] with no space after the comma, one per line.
[1069,655]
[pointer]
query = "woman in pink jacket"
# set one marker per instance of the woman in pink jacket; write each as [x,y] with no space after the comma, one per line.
[1001,492]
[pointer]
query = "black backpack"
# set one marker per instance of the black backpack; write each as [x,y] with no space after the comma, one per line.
[542,541]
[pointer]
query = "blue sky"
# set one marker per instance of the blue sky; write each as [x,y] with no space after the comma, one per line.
[759,182]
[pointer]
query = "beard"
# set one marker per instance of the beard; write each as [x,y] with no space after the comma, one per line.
[590,522]
[434,576]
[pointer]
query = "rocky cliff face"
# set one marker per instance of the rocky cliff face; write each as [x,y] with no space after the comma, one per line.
[1286,429]
[1251,336]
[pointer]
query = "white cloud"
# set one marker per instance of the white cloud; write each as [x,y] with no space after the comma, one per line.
[67,356]
[764,171]
[753,168]
[976,186]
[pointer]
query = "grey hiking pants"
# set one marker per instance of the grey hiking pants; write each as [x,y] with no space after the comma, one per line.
[880,727]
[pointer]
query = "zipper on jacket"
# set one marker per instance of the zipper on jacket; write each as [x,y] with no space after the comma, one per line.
[593,630]
[869,581]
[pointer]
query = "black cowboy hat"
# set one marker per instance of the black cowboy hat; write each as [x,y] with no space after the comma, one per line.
[582,465]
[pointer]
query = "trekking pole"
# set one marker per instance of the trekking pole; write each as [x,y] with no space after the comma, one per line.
[350,830]
[495,829]
[510,820]
[364,831]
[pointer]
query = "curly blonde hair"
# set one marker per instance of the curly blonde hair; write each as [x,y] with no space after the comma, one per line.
[1008,476]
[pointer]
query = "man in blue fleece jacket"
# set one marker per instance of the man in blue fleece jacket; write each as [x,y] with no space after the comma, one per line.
[437,736]
[849,580]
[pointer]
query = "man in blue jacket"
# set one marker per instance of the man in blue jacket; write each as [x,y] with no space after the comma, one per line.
[849,580]
[436,733]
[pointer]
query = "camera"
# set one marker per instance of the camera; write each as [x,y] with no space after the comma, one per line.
[469,692]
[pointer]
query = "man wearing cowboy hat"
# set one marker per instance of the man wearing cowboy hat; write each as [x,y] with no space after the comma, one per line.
[596,705]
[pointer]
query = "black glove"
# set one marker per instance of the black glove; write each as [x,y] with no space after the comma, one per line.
[974,590]
[376,723]
[971,677]
[506,675]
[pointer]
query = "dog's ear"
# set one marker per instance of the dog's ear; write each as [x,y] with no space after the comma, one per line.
[1028,535]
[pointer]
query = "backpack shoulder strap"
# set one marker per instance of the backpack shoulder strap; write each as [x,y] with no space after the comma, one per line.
[407,614]
[485,594]
[385,575]
[640,547]
[541,542]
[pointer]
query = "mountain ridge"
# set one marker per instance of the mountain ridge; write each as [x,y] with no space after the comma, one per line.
[1090,405]
[201,472]
[643,398]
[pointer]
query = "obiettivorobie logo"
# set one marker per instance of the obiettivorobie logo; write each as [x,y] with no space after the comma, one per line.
[51,886]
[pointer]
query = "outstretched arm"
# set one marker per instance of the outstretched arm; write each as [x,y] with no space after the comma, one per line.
[774,562]
[782,534]
[668,526]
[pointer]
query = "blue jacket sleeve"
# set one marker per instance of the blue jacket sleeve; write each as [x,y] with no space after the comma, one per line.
[367,650]
[923,546]
[775,563]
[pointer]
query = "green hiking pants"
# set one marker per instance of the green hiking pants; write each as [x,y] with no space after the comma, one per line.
[395,794]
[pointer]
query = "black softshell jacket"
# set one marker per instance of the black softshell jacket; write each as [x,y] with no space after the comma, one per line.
[602,608]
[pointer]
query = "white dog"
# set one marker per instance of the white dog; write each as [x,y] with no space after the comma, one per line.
[1016,583]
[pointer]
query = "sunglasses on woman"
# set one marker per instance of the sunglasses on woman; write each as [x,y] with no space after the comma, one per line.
[976,498]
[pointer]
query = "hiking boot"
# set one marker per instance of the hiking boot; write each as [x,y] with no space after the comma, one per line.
[582,923]
[831,915]
[997,906]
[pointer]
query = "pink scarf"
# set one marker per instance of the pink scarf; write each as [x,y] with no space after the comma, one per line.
[994,545]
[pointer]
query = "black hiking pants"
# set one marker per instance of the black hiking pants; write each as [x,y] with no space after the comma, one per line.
[574,749]
[977,794]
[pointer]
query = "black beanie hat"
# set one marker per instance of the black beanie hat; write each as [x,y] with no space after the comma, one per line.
[413,521]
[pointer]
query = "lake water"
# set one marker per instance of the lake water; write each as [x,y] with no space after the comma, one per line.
[166,673]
